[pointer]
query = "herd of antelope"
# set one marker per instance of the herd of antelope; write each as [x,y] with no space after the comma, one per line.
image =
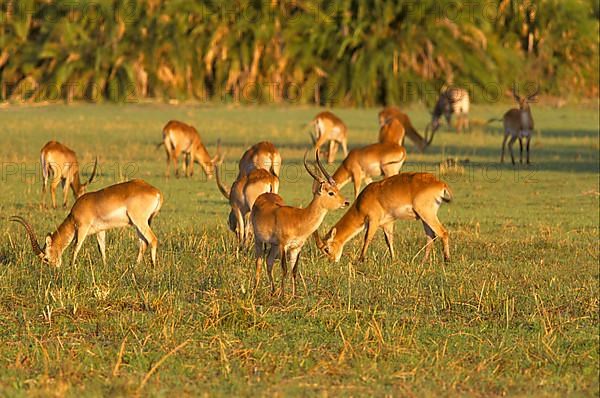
[258,212]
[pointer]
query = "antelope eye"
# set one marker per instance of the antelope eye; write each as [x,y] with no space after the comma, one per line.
[331,193]
[326,250]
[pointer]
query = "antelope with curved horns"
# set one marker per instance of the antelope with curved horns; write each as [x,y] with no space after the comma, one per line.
[329,127]
[179,138]
[263,155]
[60,164]
[285,229]
[406,196]
[451,101]
[518,123]
[368,162]
[129,203]
[242,195]
[392,112]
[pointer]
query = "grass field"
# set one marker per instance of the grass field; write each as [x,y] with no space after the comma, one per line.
[514,313]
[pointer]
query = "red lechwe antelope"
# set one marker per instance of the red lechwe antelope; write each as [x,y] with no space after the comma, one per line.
[179,138]
[392,112]
[368,162]
[60,164]
[263,155]
[406,196]
[242,195]
[287,228]
[329,127]
[129,203]
[518,123]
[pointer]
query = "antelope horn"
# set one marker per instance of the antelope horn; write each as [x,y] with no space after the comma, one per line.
[226,191]
[93,172]
[312,174]
[428,141]
[537,90]
[218,155]
[31,233]
[325,173]
[318,240]
[514,92]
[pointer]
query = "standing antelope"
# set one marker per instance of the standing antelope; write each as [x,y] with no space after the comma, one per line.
[518,123]
[178,138]
[243,194]
[368,162]
[129,203]
[406,196]
[451,101]
[263,155]
[392,112]
[329,127]
[60,163]
[287,228]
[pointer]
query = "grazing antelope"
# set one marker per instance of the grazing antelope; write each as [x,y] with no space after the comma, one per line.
[451,101]
[406,196]
[329,127]
[242,195]
[368,162]
[178,138]
[60,163]
[518,123]
[392,112]
[129,203]
[285,229]
[263,155]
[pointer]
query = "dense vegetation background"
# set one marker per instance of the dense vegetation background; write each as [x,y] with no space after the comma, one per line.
[349,52]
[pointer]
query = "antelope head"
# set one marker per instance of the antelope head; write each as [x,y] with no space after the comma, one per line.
[326,188]
[208,164]
[524,101]
[50,253]
[332,248]
[83,187]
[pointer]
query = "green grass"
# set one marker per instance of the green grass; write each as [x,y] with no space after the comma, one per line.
[515,312]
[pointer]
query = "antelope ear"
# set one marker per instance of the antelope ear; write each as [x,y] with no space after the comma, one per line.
[48,240]
[332,235]
[320,188]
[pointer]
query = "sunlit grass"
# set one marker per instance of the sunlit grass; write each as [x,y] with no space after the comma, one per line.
[515,312]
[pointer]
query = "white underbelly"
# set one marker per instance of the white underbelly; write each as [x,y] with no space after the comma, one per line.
[405,213]
[117,218]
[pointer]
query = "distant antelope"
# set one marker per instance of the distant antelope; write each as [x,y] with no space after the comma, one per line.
[60,164]
[392,112]
[242,195]
[451,101]
[263,155]
[178,138]
[368,162]
[129,203]
[406,196]
[518,123]
[329,127]
[285,229]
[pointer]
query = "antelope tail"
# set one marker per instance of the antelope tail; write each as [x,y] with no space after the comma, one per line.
[494,119]
[44,169]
